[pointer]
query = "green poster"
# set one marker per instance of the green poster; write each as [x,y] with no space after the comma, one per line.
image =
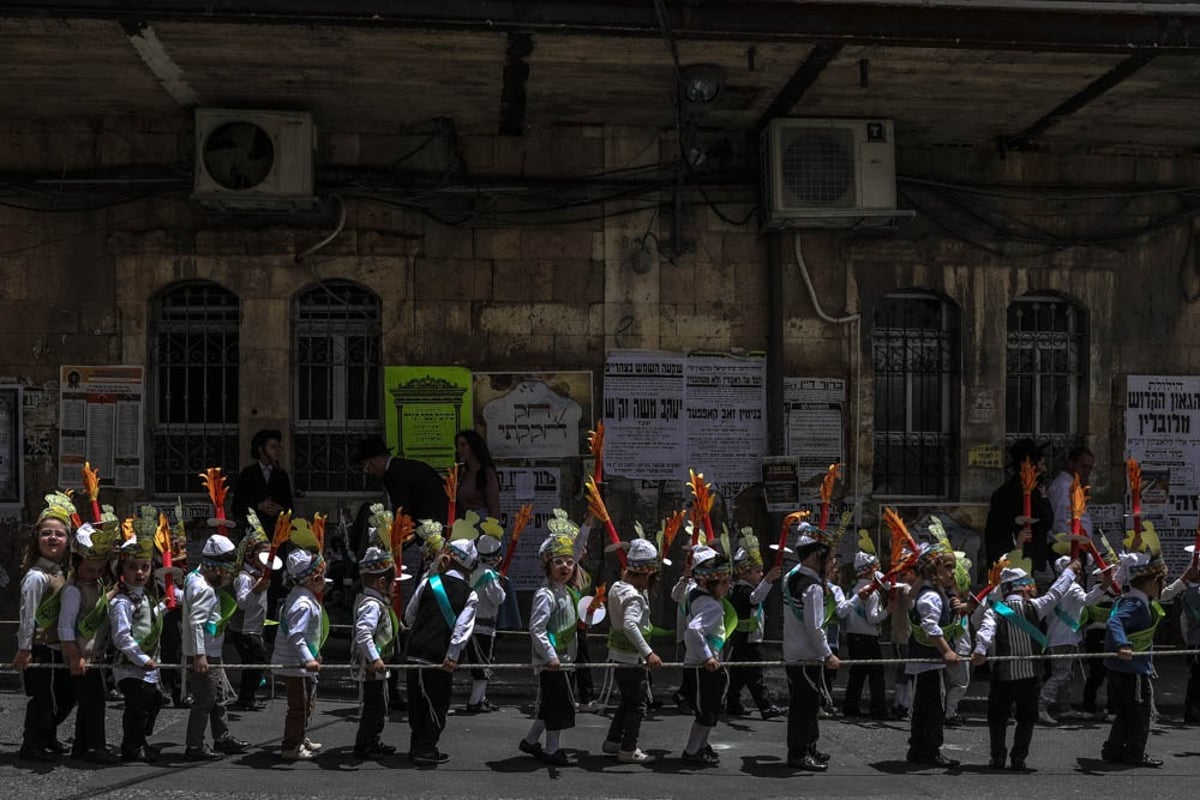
[426,408]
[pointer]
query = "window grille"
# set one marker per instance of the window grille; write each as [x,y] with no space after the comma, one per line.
[1045,389]
[915,357]
[337,385]
[194,357]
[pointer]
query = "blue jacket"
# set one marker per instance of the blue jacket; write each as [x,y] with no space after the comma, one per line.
[1131,613]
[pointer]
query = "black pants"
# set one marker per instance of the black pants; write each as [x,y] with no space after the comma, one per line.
[928,715]
[50,698]
[373,714]
[804,701]
[556,706]
[171,650]
[863,646]
[142,702]
[428,704]
[1131,727]
[627,719]
[585,690]
[480,652]
[746,677]
[1093,642]
[1191,702]
[252,650]
[1020,697]
[709,699]
[91,696]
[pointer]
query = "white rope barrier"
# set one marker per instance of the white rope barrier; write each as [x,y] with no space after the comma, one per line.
[609,665]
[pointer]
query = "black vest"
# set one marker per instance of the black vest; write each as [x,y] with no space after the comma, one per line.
[915,648]
[430,636]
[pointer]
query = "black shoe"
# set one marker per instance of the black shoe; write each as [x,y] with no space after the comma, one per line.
[996,763]
[37,754]
[1018,765]
[935,760]
[1144,761]
[956,721]
[473,708]
[145,753]
[386,749]
[1112,757]
[428,758]
[101,755]
[373,751]
[200,754]
[534,749]
[558,758]
[735,711]
[700,758]
[57,747]
[682,703]
[253,705]
[229,745]
[708,750]
[899,712]
[821,757]
[771,712]
[184,702]
[808,764]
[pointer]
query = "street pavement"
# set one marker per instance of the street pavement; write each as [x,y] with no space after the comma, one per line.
[868,759]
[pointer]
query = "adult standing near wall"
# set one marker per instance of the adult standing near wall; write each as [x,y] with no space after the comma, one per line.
[1005,514]
[478,483]
[409,484]
[264,486]
[1080,461]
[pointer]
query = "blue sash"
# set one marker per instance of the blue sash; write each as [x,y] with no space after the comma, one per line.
[1069,621]
[487,577]
[1006,611]
[439,594]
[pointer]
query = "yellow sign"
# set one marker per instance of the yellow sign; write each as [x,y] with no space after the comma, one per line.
[986,456]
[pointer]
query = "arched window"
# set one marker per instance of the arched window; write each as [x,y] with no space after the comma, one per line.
[1046,377]
[337,383]
[194,370]
[915,357]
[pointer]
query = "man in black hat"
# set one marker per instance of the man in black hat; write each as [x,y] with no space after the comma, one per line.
[412,485]
[1006,513]
[263,486]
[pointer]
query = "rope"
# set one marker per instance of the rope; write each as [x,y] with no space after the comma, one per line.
[608,665]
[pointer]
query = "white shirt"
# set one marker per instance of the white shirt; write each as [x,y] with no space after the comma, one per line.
[120,620]
[300,640]
[253,605]
[486,583]
[804,637]
[368,617]
[679,592]
[201,609]
[929,613]
[1042,605]
[1074,598]
[863,616]
[33,587]
[707,619]
[552,611]
[629,612]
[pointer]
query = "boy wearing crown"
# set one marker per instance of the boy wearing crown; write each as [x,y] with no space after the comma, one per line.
[553,619]
[934,621]
[250,591]
[746,595]
[806,648]
[441,616]
[135,619]
[298,648]
[375,630]
[863,613]
[1129,638]
[204,622]
[705,640]
[1010,628]
[487,584]
[629,627]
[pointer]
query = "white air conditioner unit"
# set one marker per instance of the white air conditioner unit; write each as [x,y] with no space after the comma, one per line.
[254,160]
[829,173]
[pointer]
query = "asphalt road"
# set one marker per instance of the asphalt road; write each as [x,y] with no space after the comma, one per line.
[868,761]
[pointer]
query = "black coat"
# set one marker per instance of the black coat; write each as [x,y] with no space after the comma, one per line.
[1000,534]
[417,488]
[251,489]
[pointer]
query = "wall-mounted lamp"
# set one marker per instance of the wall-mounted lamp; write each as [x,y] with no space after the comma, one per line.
[701,84]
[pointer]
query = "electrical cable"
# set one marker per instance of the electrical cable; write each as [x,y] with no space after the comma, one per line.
[812,292]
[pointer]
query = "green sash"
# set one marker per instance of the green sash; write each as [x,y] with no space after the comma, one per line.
[443,602]
[485,578]
[89,623]
[949,632]
[150,643]
[561,639]
[46,614]
[1141,641]
[1006,611]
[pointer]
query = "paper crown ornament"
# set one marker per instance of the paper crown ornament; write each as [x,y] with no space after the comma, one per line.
[144,528]
[59,506]
[641,556]
[92,542]
[463,551]
[432,541]
[376,561]
[561,541]
[808,536]
[749,551]
[1014,576]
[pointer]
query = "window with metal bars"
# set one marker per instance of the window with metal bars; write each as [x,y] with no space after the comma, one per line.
[337,390]
[194,370]
[1045,384]
[915,358]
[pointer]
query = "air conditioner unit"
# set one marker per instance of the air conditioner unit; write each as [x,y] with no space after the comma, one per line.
[829,173]
[254,160]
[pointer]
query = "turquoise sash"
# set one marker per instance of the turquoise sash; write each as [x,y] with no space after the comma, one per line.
[1006,611]
[439,594]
